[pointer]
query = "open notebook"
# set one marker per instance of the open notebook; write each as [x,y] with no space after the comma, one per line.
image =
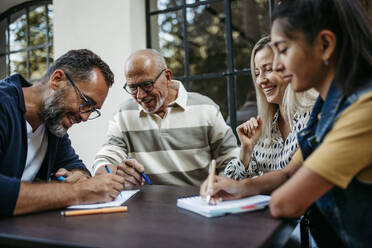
[120,199]
[198,205]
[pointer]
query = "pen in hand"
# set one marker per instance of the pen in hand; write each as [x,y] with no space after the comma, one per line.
[147,179]
[53,176]
[212,169]
[109,172]
[61,178]
[107,169]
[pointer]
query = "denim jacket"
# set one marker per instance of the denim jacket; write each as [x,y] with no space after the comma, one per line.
[348,211]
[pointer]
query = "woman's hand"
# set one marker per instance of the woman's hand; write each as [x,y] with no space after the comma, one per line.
[249,132]
[223,189]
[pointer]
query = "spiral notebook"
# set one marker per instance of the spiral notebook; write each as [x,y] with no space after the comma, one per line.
[197,205]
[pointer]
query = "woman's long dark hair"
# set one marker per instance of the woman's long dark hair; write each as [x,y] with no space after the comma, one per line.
[347,20]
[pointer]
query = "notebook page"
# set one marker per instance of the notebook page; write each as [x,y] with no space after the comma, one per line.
[199,204]
[120,199]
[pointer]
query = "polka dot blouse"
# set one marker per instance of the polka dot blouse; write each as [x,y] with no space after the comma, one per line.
[270,154]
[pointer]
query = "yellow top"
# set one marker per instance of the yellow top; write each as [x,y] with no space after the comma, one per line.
[346,150]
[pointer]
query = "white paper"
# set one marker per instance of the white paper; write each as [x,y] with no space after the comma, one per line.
[120,199]
[198,205]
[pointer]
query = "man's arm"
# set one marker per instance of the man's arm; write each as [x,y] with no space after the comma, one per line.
[115,148]
[35,197]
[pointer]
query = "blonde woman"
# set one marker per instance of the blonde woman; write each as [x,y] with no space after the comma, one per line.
[269,141]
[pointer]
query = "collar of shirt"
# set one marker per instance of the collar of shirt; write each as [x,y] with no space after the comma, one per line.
[276,117]
[180,101]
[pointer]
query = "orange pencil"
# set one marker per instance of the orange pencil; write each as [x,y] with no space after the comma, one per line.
[95,211]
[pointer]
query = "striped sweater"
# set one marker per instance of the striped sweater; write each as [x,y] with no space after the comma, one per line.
[175,149]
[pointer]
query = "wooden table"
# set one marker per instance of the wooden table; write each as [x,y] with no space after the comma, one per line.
[152,220]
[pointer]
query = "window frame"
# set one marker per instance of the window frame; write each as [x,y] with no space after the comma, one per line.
[7,16]
[230,73]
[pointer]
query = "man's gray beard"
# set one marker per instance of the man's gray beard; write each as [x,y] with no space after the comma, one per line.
[159,104]
[53,111]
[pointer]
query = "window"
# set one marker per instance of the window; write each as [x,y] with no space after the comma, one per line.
[207,44]
[26,40]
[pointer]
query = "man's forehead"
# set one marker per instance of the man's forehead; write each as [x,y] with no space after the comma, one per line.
[138,78]
[140,75]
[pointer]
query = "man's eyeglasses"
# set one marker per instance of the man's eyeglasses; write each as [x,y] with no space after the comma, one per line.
[146,86]
[88,105]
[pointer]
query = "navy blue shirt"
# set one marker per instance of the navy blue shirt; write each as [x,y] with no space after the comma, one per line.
[13,145]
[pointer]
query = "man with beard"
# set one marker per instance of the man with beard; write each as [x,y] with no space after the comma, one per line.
[34,145]
[165,131]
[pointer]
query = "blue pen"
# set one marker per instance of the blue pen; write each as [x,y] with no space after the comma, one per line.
[61,178]
[109,172]
[108,169]
[147,179]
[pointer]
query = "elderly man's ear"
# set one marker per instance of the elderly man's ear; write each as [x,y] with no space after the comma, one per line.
[168,74]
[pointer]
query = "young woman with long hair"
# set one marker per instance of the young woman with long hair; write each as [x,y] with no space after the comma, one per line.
[325,45]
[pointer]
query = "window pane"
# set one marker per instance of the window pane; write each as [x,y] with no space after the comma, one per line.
[17,30]
[37,26]
[37,63]
[164,4]
[167,37]
[250,22]
[206,39]
[215,88]
[246,99]
[18,63]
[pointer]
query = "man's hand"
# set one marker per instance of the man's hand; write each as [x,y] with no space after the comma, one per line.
[101,188]
[72,176]
[130,170]
[34,197]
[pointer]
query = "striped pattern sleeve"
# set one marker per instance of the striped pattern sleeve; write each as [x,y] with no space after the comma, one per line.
[116,147]
[223,143]
[175,150]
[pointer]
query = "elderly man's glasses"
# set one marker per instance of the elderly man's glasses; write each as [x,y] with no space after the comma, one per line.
[146,86]
[87,107]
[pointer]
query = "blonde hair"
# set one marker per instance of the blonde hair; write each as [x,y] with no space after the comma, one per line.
[292,101]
